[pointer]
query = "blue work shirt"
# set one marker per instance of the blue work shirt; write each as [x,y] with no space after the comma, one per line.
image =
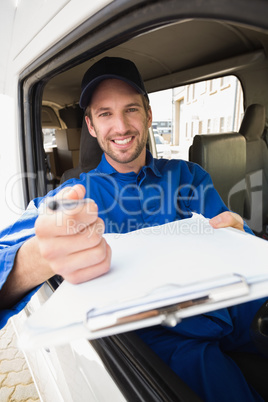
[163,191]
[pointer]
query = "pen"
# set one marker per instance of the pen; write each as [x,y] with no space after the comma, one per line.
[65,204]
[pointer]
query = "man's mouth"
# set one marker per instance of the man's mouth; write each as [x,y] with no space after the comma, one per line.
[123,142]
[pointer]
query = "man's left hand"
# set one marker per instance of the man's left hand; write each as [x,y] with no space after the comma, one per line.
[227,219]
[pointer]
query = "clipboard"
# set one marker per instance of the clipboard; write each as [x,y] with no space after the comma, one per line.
[159,276]
[167,312]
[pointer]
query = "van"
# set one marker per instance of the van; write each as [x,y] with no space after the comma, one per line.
[176,45]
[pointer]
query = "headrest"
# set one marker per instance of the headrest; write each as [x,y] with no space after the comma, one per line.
[223,156]
[90,151]
[253,122]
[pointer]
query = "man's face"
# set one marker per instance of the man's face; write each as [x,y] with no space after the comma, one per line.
[120,123]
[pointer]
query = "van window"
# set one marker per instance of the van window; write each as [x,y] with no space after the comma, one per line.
[214,106]
[49,138]
[50,123]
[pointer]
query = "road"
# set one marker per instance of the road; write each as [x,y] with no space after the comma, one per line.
[16,383]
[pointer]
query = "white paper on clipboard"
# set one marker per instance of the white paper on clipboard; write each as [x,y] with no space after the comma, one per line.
[158,275]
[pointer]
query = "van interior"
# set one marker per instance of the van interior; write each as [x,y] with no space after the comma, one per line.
[165,63]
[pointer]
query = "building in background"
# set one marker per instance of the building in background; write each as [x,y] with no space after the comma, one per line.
[213,106]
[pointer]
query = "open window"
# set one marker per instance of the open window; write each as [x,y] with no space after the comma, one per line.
[204,107]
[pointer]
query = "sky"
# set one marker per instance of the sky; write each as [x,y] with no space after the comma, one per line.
[161,103]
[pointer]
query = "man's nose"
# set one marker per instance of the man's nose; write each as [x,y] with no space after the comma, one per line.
[121,124]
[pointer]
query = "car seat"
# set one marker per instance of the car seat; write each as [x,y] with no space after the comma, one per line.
[90,155]
[252,128]
[223,156]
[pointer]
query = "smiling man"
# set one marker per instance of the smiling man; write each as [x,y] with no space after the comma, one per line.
[119,118]
[130,189]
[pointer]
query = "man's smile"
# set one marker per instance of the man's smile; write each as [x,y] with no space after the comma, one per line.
[124,141]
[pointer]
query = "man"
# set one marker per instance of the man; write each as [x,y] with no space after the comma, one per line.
[129,190]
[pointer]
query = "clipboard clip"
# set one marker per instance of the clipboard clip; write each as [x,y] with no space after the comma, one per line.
[168,314]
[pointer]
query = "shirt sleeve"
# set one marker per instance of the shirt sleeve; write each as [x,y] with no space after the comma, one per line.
[11,239]
[203,198]
[197,192]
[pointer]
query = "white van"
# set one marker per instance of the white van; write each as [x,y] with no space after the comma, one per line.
[46,46]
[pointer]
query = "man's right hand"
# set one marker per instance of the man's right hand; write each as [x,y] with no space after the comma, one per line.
[71,241]
[67,243]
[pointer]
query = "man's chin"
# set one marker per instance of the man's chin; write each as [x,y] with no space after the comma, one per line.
[124,156]
[123,159]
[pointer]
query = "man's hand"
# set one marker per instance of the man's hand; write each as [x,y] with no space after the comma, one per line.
[71,241]
[227,219]
[68,243]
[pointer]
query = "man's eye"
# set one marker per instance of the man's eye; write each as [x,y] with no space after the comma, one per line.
[132,109]
[104,114]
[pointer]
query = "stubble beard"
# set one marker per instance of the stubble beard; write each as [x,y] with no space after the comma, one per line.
[119,156]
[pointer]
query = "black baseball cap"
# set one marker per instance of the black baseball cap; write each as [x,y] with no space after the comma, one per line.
[110,67]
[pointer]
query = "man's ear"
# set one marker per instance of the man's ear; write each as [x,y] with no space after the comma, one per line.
[150,117]
[90,127]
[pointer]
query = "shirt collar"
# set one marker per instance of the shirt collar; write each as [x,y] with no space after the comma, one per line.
[151,164]
[105,167]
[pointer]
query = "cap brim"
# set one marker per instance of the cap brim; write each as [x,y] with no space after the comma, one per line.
[89,88]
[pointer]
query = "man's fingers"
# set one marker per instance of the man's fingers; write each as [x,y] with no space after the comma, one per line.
[76,192]
[90,272]
[81,260]
[70,236]
[62,223]
[227,219]
[56,247]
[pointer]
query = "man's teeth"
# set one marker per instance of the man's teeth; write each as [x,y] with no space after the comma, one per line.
[123,142]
